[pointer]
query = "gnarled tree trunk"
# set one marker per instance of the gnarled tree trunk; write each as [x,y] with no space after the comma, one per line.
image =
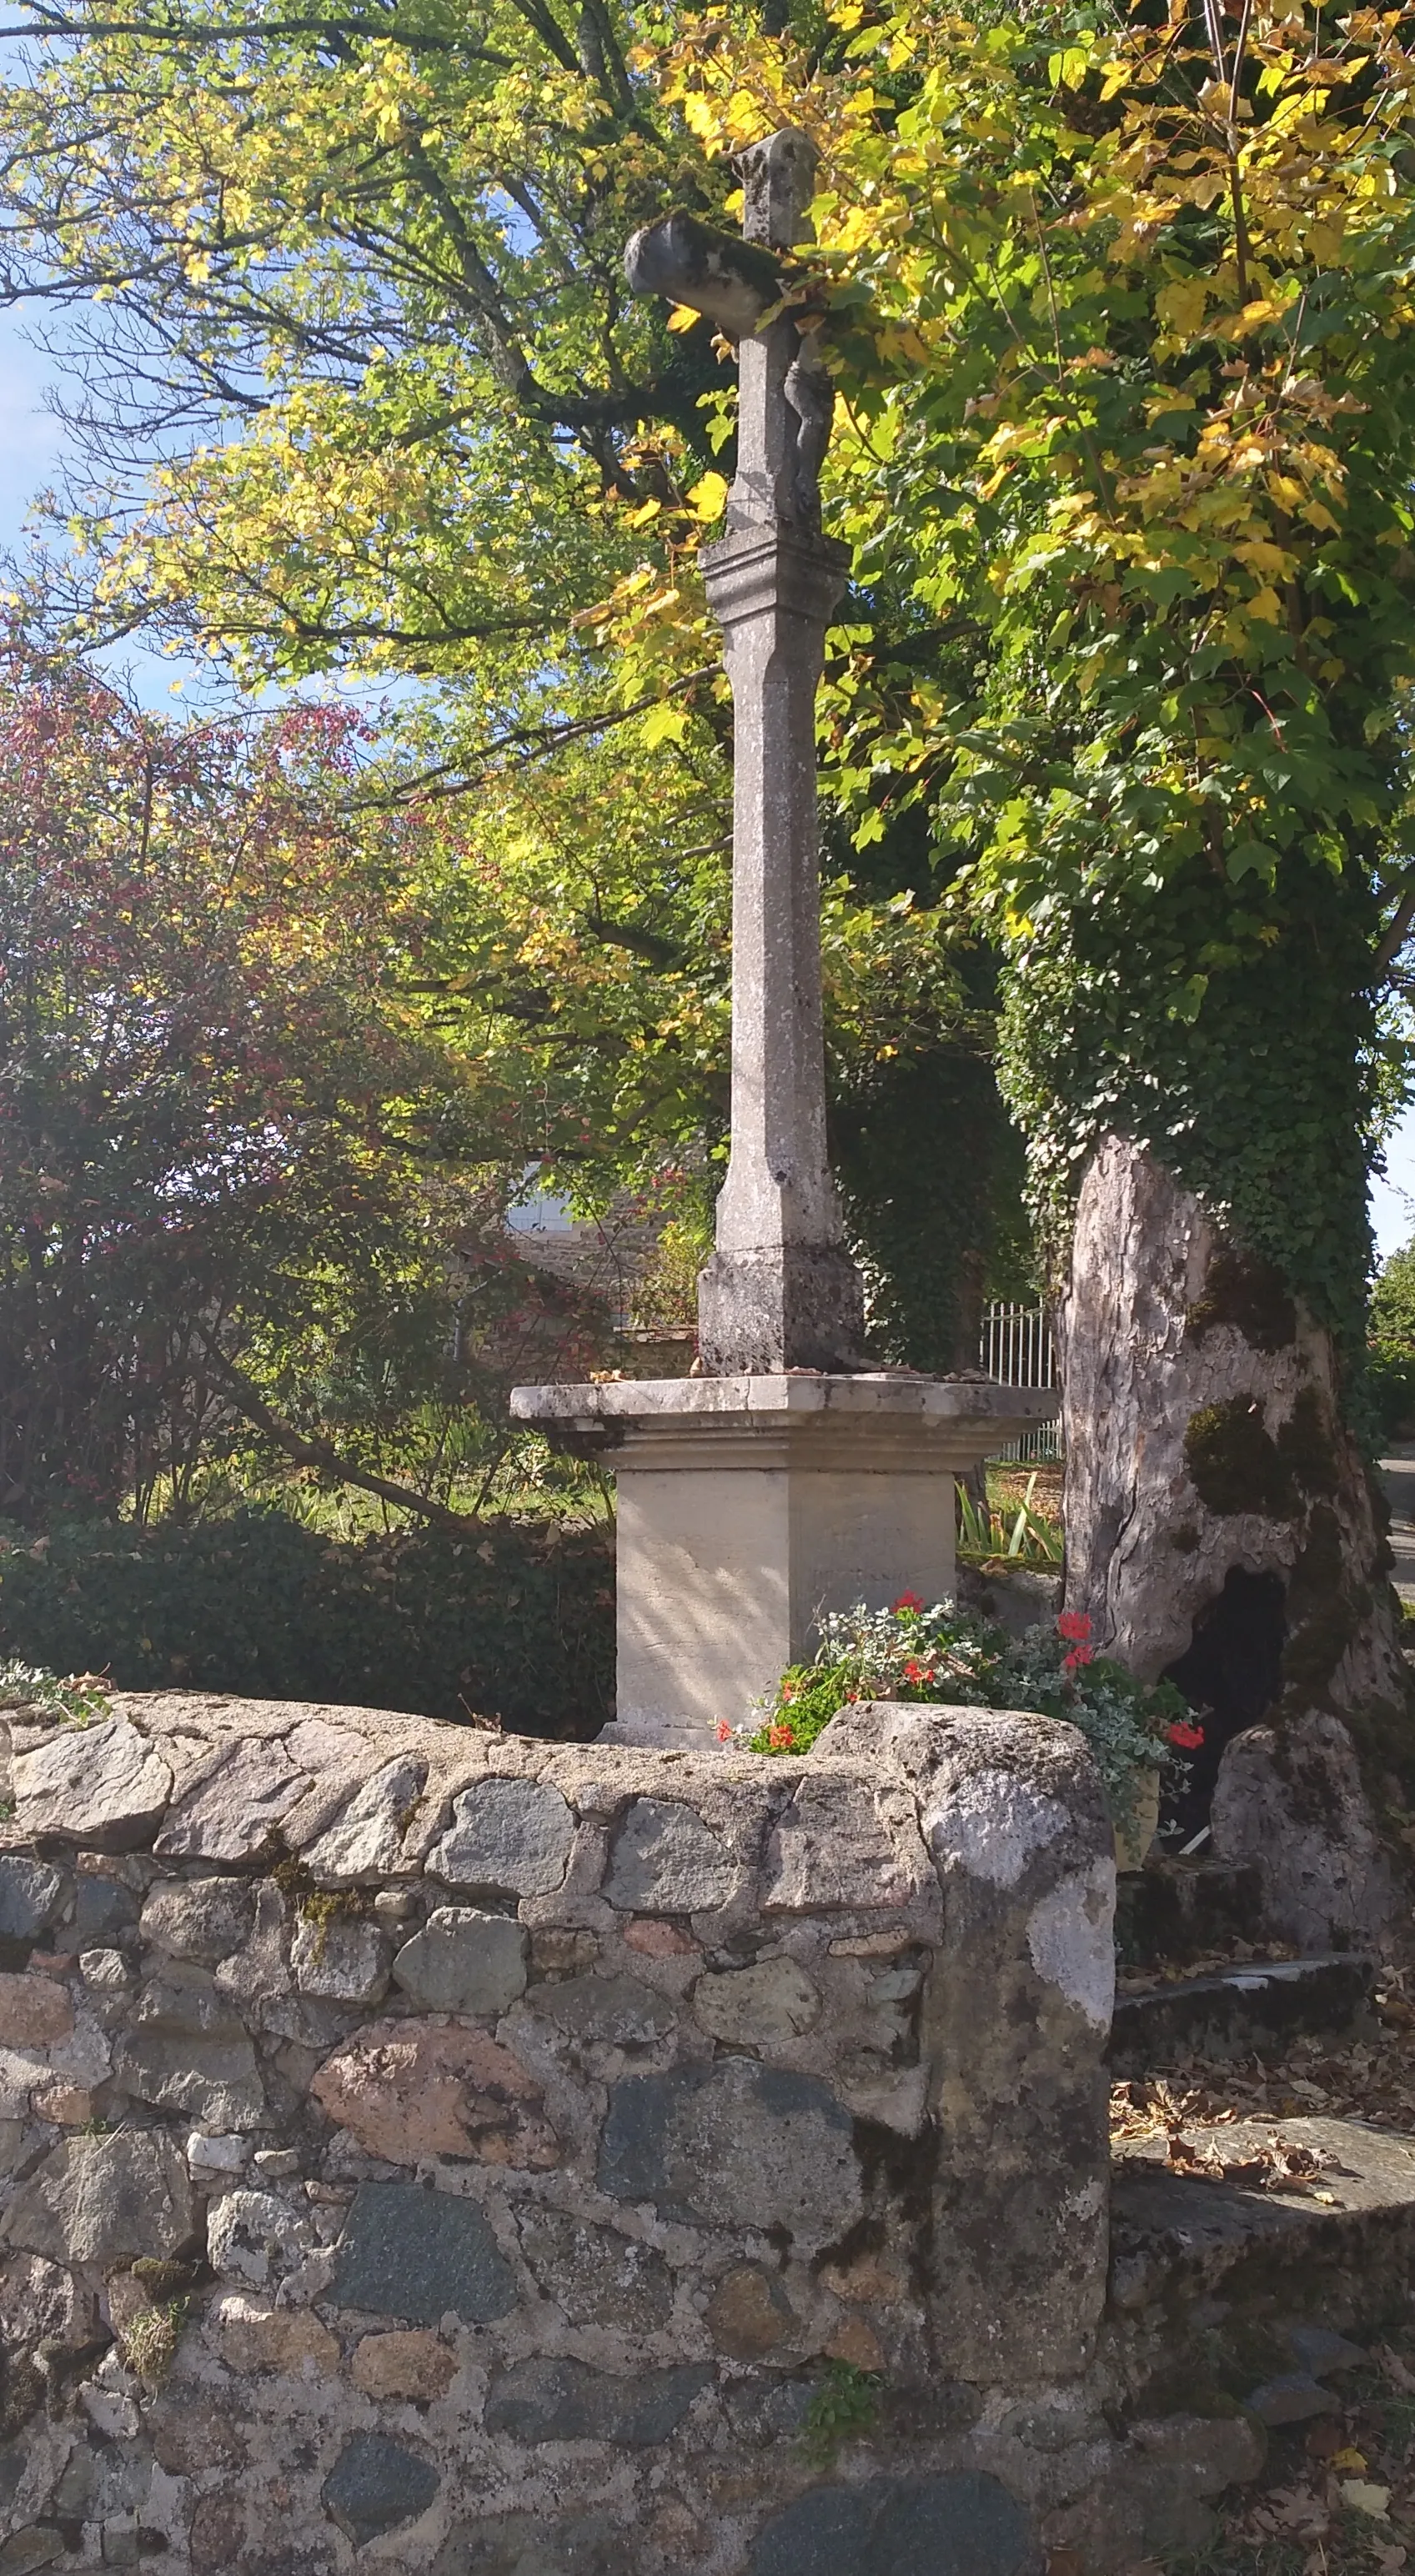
[1221,1527]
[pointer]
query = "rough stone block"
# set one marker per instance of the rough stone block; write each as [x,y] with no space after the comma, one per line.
[464,1962]
[667,1861]
[842,1842]
[35,2012]
[236,1804]
[250,2234]
[407,2089]
[759,2007]
[104,1910]
[38,2546]
[551,2400]
[377,2485]
[252,2338]
[367,1840]
[419,2254]
[342,1958]
[736,2144]
[203,1919]
[103,1786]
[105,2200]
[31,1894]
[618,2011]
[963,2525]
[596,2276]
[749,2313]
[411,2363]
[509,1837]
[188,2050]
[526,2544]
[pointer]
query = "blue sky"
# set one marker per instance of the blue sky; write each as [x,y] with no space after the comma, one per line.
[29,457]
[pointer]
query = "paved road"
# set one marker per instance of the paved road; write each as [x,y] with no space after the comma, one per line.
[1398,1477]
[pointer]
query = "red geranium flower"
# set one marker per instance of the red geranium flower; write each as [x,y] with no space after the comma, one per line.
[1186,1734]
[907,1601]
[782,1736]
[917,1672]
[724,1731]
[1075,1625]
[1079,1655]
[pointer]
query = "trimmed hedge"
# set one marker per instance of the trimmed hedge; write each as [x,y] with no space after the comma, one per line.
[517,1625]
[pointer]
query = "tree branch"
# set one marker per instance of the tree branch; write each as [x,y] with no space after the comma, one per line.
[318,1453]
[1398,929]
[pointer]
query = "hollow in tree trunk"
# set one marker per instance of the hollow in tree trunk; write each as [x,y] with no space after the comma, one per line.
[1222,1528]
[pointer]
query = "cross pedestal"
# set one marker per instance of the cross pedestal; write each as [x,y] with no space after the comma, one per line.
[792,1477]
[749,1504]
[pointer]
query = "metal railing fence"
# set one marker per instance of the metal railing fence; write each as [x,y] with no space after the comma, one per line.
[1016,1346]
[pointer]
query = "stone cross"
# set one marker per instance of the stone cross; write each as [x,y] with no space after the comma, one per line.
[780,1291]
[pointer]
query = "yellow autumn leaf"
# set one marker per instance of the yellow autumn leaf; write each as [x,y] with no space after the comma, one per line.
[1349,2459]
[708,496]
[1181,304]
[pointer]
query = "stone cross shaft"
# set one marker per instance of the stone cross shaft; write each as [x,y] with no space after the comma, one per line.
[780,1291]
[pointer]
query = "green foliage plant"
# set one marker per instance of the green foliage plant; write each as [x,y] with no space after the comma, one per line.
[516,1625]
[844,2408]
[1390,1353]
[947,1656]
[1026,1537]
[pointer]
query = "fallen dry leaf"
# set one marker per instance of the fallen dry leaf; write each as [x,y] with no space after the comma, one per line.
[1362,2497]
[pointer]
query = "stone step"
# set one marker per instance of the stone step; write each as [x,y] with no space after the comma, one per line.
[1224,2294]
[1253,2010]
[1176,1910]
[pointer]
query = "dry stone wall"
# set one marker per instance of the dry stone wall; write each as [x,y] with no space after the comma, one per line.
[429,2151]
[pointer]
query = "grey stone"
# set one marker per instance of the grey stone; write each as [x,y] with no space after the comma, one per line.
[376,2485]
[551,2400]
[464,1962]
[736,2144]
[619,2010]
[844,1841]
[101,1785]
[188,2050]
[367,1840]
[31,1894]
[37,2547]
[510,1836]
[249,2234]
[416,2254]
[96,2200]
[961,2525]
[524,2544]
[761,2006]
[596,2276]
[667,1861]
[1322,2352]
[1290,2399]
[345,1959]
[203,1918]
[1291,1801]
[103,1910]
[234,1807]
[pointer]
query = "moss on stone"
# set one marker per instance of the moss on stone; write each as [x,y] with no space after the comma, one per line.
[1250,1295]
[1234,1464]
[1306,1444]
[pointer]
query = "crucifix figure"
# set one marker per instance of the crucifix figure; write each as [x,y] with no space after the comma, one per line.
[780,1291]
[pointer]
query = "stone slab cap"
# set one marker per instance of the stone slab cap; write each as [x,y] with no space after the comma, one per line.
[897,1393]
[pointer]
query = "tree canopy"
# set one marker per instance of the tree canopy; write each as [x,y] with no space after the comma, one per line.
[1119,311]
